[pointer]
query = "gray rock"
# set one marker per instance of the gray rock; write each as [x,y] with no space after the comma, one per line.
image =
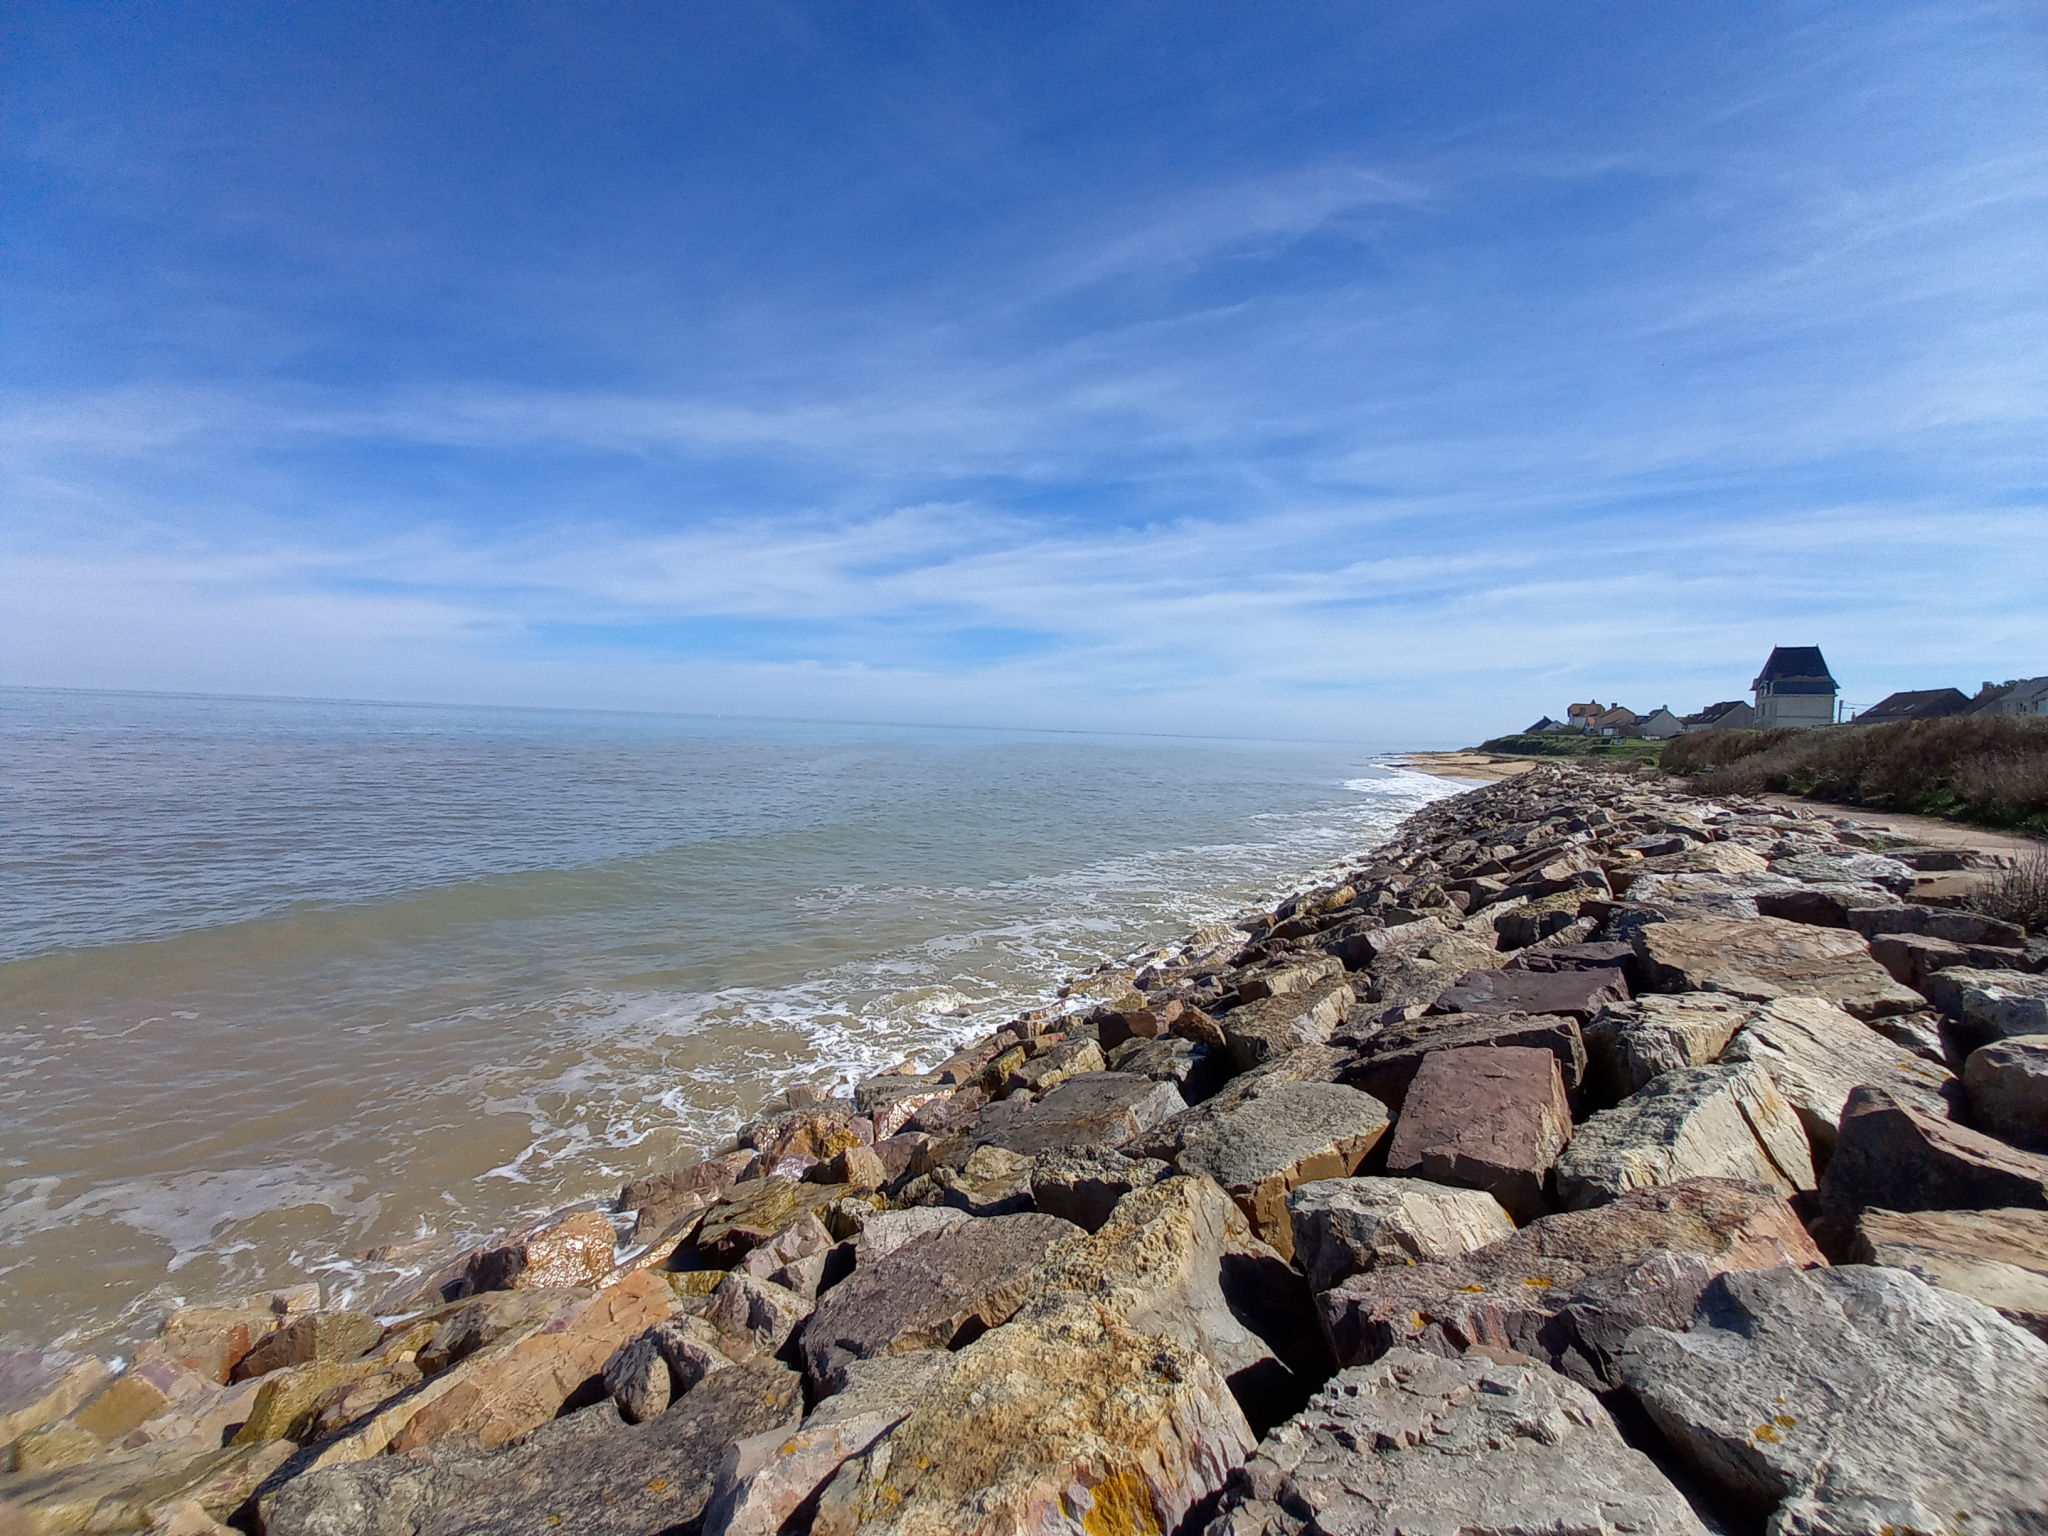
[1722,1121]
[1815,1055]
[1169,1059]
[1296,976]
[938,1291]
[1854,1399]
[1991,1005]
[636,1378]
[886,1231]
[585,1475]
[1868,868]
[1095,1112]
[1937,923]
[1577,993]
[1257,1032]
[993,1182]
[1997,1257]
[1286,1135]
[1628,1044]
[1416,1445]
[1765,958]
[1344,1227]
[1084,1190]
[2007,1084]
[757,1310]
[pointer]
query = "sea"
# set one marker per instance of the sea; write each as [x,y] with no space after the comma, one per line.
[302,989]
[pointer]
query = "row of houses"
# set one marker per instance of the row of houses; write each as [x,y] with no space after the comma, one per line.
[1796,689]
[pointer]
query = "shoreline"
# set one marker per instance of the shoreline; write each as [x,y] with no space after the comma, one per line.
[1010,1282]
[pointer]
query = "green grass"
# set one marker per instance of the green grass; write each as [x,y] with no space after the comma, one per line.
[1564,744]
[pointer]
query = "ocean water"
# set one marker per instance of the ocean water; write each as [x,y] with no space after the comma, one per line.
[292,988]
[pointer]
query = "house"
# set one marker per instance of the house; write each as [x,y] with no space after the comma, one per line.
[1660,724]
[1795,689]
[1728,715]
[2022,696]
[1615,721]
[1927,704]
[1580,717]
[1546,724]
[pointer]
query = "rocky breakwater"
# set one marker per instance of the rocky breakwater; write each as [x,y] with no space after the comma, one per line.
[1589,1157]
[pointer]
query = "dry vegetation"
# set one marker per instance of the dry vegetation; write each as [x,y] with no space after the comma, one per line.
[1989,769]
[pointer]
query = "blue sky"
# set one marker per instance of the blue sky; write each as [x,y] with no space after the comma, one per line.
[1377,372]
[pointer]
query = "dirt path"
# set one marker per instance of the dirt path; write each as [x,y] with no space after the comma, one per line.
[1926,829]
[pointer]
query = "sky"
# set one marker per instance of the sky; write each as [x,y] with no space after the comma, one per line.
[1366,372]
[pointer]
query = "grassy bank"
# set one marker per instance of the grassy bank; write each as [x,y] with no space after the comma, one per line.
[1991,770]
[1570,744]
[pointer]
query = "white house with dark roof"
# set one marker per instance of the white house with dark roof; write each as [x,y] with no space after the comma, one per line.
[2022,696]
[1795,689]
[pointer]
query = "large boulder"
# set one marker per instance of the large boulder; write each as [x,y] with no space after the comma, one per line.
[39,1387]
[663,1199]
[1491,1118]
[1628,1044]
[938,1291]
[1889,1154]
[1577,993]
[1098,1111]
[1815,1054]
[1723,1121]
[1257,1032]
[1288,1134]
[1394,1055]
[1085,1190]
[1990,1005]
[1851,1400]
[585,1475]
[1956,926]
[1997,1257]
[753,1211]
[1416,1444]
[1068,1419]
[1765,958]
[578,1249]
[1343,1227]
[2007,1085]
[1569,1288]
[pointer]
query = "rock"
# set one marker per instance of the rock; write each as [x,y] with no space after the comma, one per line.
[2007,1085]
[1822,906]
[1628,1044]
[1084,1190]
[1814,1054]
[1298,976]
[1178,1258]
[1171,1059]
[1067,1420]
[1854,1399]
[1990,1005]
[1491,1118]
[460,1331]
[1533,921]
[757,1313]
[129,1490]
[580,1249]
[39,1387]
[886,1231]
[1766,958]
[1041,1074]
[1938,923]
[1257,1032]
[1997,1257]
[809,1132]
[1096,1112]
[213,1341]
[890,1101]
[856,1168]
[754,1211]
[994,1182]
[1913,957]
[1724,1121]
[1890,1155]
[663,1198]
[783,1254]
[1395,1054]
[1605,955]
[1570,1288]
[1579,993]
[1416,1444]
[585,1475]
[1855,868]
[637,1380]
[314,1336]
[1285,1135]
[1361,950]
[1344,1227]
[938,1291]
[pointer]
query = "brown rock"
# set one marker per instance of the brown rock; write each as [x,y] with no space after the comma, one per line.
[1579,994]
[664,1199]
[938,1291]
[755,1210]
[1764,958]
[1998,1257]
[1045,1072]
[321,1336]
[1815,1054]
[579,1249]
[814,1133]
[211,1340]
[1257,1032]
[1491,1118]
[39,1387]
[1154,1023]
[1100,1111]
[1395,1055]
[1892,1156]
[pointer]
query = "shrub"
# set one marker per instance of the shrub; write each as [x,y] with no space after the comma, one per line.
[2020,895]
[1990,768]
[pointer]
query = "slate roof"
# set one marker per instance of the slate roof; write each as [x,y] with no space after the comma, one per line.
[1796,669]
[1926,704]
